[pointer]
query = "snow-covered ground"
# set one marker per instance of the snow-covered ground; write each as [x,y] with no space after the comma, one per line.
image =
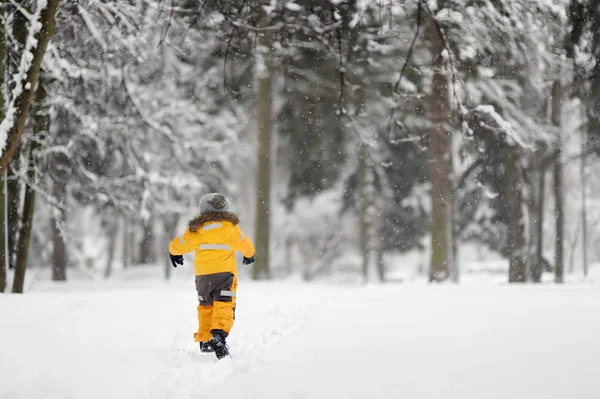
[132,338]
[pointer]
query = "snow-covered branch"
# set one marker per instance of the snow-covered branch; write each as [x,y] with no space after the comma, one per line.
[40,31]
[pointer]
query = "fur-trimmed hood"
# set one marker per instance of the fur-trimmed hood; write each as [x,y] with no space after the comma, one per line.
[199,220]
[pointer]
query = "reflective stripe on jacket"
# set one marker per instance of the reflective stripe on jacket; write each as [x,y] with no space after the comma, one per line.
[215,244]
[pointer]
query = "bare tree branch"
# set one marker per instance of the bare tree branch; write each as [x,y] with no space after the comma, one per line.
[410,49]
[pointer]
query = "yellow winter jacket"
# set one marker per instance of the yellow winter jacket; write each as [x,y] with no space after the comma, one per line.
[215,237]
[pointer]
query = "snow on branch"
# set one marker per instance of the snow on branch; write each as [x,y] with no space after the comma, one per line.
[502,124]
[92,28]
[536,131]
[23,11]
[144,115]
[20,78]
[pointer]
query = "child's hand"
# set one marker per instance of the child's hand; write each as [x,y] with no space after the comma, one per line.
[176,260]
[247,261]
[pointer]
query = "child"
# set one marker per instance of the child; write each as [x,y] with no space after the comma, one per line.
[215,236]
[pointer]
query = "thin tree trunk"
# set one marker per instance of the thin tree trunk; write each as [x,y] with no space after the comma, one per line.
[146,249]
[59,253]
[559,243]
[440,149]
[454,228]
[363,208]
[59,256]
[40,130]
[13,204]
[558,185]
[13,183]
[516,224]
[263,184]
[537,268]
[134,257]
[170,224]
[2,175]
[113,229]
[380,266]
[530,182]
[583,206]
[20,105]
[289,257]
[573,250]
[24,236]
[3,243]
[125,243]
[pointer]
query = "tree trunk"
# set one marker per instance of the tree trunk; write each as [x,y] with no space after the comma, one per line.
[125,253]
[2,175]
[3,245]
[517,244]
[13,183]
[363,210]
[558,194]
[537,267]
[380,266]
[583,205]
[40,130]
[289,256]
[146,249]
[13,204]
[531,184]
[455,227]
[59,256]
[573,251]
[439,162]
[170,223]
[18,107]
[558,185]
[127,243]
[263,184]
[113,229]
[25,234]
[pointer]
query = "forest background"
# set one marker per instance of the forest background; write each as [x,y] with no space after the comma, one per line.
[349,135]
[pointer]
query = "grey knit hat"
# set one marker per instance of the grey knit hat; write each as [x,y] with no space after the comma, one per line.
[213,202]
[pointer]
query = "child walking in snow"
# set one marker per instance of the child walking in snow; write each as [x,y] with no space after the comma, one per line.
[215,237]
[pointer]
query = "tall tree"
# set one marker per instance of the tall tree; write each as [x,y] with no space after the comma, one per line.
[583,47]
[40,130]
[3,246]
[14,185]
[584,233]
[557,94]
[265,126]
[440,148]
[537,264]
[365,204]
[2,175]
[59,247]
[517,243]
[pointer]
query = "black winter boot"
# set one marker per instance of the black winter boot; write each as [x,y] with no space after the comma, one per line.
[206,347]
[218,343]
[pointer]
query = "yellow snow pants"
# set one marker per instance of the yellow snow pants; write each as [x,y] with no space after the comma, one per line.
[216,308]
